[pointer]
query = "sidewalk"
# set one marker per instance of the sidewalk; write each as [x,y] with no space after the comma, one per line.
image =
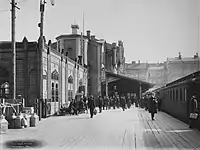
[112,129]
[168,132]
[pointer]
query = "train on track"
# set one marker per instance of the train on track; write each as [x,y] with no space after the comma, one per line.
[177,94]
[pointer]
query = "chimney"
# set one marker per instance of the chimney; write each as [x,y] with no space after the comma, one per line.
[179,55]
[114,45]
[133,62]
[80,60]
[120,43]
[75,28]
[93,37]
[196,56]
[88,34]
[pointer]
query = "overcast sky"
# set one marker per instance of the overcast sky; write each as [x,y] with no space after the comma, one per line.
[151,30]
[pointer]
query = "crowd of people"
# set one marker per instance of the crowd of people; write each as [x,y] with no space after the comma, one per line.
[150,102]
[84,104]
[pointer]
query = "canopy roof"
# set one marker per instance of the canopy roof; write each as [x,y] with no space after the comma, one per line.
[126,84]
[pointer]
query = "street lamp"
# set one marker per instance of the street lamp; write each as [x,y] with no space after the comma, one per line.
[41,42]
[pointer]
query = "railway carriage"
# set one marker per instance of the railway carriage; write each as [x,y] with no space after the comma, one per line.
[176,96]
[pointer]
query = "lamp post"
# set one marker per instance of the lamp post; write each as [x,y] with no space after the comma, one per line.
[41,44]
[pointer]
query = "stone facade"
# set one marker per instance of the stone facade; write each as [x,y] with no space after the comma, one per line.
[94,66]
[27,71]
[162,73]
[60,80]
[156,74]
[114,57]
[137,70]
[72,65]
[179,67]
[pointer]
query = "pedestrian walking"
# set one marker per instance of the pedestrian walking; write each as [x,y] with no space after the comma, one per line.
[85,103]
[152,106]
[109,102]
[106,100]
[194,111]
[114,101]
[146,102]
[73,107]
[118,101]
[123,102]
[91,105]
[128,102]
[100,102]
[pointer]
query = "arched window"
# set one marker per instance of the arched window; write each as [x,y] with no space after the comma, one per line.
[4,90]
[70,79]
[70,88]
[56,97]
[52,92]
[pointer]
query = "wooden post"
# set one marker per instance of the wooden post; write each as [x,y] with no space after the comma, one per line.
[13,48]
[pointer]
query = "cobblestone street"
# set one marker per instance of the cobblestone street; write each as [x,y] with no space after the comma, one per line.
[112,129]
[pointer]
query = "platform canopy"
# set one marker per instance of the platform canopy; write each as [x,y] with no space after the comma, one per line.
[125,84]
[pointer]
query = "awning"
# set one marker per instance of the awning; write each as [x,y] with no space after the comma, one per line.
[126,84]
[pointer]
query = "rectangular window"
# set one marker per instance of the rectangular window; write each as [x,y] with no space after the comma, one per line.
[70,91]
[168,95]
[180,94]
[56,92]
[70,94]
[185,94]
[171,95]
[177,95]
[58,46]
[52,92]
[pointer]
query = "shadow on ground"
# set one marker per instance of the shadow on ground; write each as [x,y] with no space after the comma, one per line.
[20,144]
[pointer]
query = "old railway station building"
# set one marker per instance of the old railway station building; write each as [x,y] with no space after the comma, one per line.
[72,65]
[49,74]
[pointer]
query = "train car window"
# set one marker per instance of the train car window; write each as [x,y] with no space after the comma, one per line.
[171,95]
[168,95]
[174,96]
[177,95]
[185,94]
[180,94]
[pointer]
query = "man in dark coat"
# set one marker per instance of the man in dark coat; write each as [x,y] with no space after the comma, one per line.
[91,105]
[100,101]
[152,106]
[106,101]
[123,103]
[85,103]
[194,111]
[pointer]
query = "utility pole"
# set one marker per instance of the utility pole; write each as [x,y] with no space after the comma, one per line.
[13,4]
[41,44]
[41,47]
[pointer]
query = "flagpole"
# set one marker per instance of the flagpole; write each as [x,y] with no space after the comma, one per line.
[82,43]
[83,25]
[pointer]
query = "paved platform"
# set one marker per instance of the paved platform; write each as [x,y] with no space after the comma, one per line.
[111,129]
